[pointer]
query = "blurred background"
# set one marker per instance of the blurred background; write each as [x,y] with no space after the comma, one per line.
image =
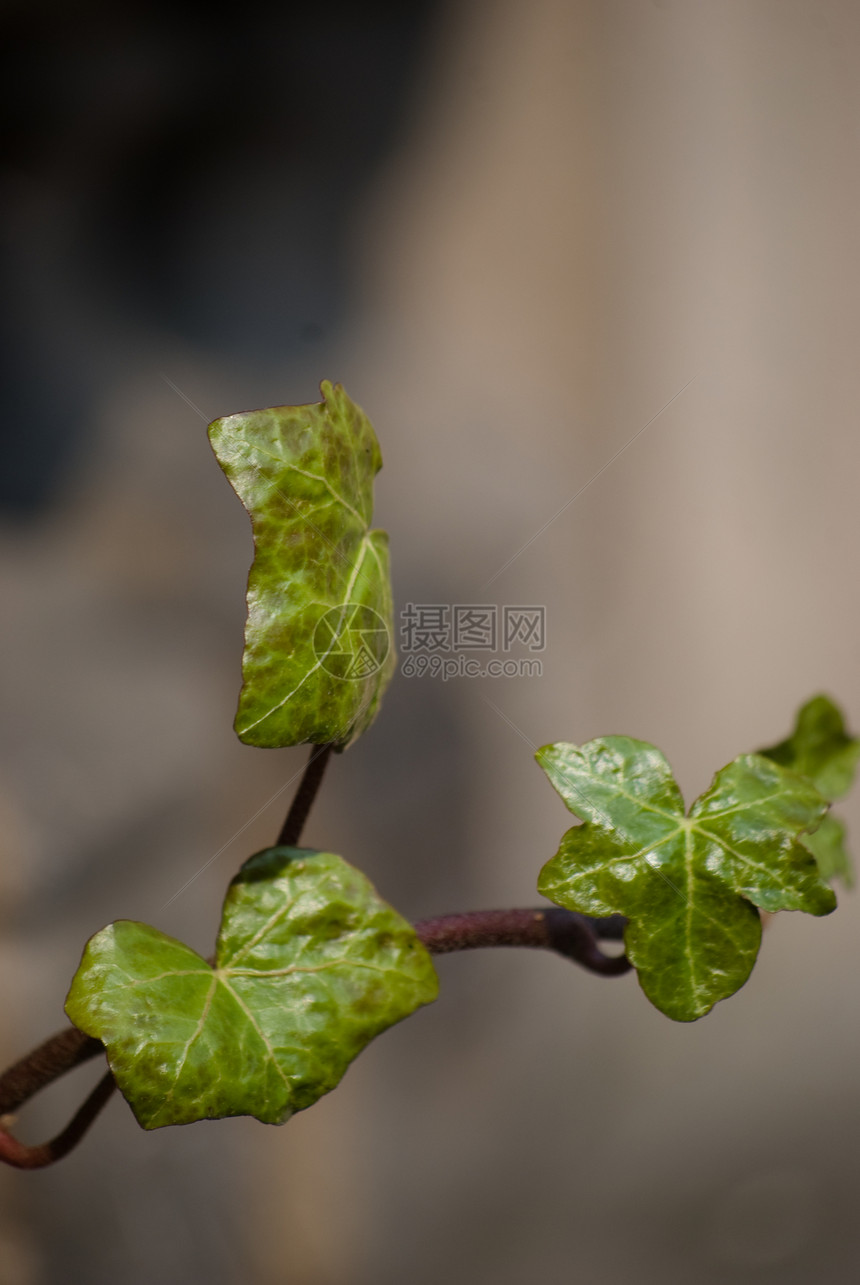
[519,231]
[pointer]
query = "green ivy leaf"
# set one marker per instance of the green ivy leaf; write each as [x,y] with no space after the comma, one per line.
[319,647]
[686,883]
[827,845]
[820,748]
[310,965]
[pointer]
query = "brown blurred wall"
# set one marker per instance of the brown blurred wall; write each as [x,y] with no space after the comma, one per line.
[605,214]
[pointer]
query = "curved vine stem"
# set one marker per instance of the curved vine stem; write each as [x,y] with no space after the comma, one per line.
[20,1156]
[59,1054]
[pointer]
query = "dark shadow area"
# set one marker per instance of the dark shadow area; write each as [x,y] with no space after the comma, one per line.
[180,169]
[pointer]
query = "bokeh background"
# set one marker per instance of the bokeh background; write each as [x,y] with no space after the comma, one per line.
[516,230]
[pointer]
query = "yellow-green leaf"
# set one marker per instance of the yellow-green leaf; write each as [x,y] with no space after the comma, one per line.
[319,637]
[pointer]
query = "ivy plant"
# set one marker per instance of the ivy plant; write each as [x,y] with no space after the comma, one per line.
[689,883]
[310,963]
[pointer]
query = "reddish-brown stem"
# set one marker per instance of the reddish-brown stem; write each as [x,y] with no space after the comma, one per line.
[291,831]
[59,1054]
[20,1156]
[563,931]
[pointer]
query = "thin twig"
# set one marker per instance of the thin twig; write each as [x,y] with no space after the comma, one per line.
[291,831]
[563,931]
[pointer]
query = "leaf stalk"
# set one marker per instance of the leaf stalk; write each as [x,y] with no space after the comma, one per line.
[303,800]
[565,932]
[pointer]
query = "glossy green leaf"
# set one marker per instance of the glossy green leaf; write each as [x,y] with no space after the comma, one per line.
[688,884]
[310,965]
[821,749]
[319,648]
